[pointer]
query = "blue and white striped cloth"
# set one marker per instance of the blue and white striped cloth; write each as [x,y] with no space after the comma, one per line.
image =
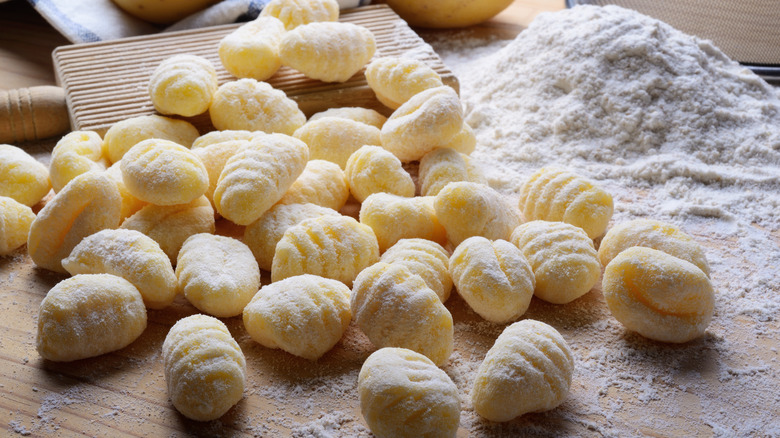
[82,21]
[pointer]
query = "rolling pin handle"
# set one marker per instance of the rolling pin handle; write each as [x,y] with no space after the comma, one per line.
[33,113]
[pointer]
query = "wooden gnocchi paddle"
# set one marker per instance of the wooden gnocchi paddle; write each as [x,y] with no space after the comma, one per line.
[32,113]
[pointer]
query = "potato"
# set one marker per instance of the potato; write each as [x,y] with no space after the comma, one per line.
[162,12]
[447,13]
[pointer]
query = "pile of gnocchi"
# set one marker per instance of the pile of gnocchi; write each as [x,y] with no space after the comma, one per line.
[134,213]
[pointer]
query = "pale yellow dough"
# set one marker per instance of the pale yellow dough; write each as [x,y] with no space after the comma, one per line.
[395,217]
[215,137]
[15,221]
[252,50]
[183,85]
[22,177]
[395,80]
[250,105]
[214,157]
[335,139]
[294,13]
[76,153]
[130,204]
[442,166]
[322,182]
[372,169]
[425,258]
[125,134]
[363,115]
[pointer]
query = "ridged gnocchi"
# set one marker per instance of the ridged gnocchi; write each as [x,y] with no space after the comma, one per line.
[442,166]
[294,13]
[129,203]
[358,114]
[15,221]
[425,258]
[395,308]
[657,295]
[372,169]
[22,177]
[128,254]
[554,195]
[563,258]
[404,394]
[395,80]
[252,50]
[250,105]
[328,51]
[464,141]
[335,139]
[205,369]
[493,277]
[75,153]
[183,85]
[396,217]
[89,315]
[321,182]
[257,176]
[214,157]
[215,137]
[125,134]
[305,315]
[528,369]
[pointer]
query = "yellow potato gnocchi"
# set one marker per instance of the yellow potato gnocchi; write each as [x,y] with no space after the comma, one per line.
[128,254]
[89,315]
[464,141]
[396,385]
[76,153]
[652,234]
[362,115]
[22,177]
[214,157]
[395,308]
[395,80]
[396,217]
[657,295]
[427,120]
[528,369]
[130,204]
[205,369]
[183,85]
[557,195]
[125,134]
[335,139]
[305,315]
[336,247]
[257,176]
[86,205]
[217,274]
[467,209]
[494,278]
[162,172]
[252,50]
[442,166]
[563,258]
[15,221]
[425,258]
[229,135]
[328,51]
[372,169]
[263,234]
[294,13]
[250,105]
[322,182]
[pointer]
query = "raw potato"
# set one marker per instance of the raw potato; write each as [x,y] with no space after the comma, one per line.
[395,385]
[447,13]
[15,221]
[125,134]
[425,258]
[183,85]
[22,177]
[396,217]
[89,315]
[162,12]
[372,169]
[76,153]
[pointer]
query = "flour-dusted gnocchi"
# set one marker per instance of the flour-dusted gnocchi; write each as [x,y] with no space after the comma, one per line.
[372,169]
[22,177]
[358,114]
[86,205]
[250,105]
[336,247]
[395,80]
[89,315]
[467,209]
[294,13]
[258,175]
[252,50]
[528,369]
[171,225]
[162,172]
[404,394]
[464,141]
[443,166]
[563,258]
[128,254]
[335,139]
[425,258]
[205,369]
[214,157]
[76,153]
[129,203]
[215,137]
[263,234]
[322,182]
[395,217]
[125,134]
[217,274]
[328,51]
[429,119]
[658,295]
[652,234]
[395,308]
[183,85]
[305,315]
[15,221]
[553,194]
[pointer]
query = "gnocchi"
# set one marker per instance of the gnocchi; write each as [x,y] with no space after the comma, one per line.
[465,141]
[22,177]
[75,153]
[372,169]
[228,135]
[322,182]
[395,80]
[443,166]
[425,258]
[393,218]
[335,139]
[250,105]
[129,203]
[214,157]
[183,85]
[294,13]
[15,221]
[363,115]
[252,50]
[125,134]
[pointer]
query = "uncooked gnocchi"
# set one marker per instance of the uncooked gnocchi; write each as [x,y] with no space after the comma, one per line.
[294,13]
[75,153]
[22,177]
[335,139]
[363,115]
[657,295]
[89,315]
[130,204]
[425,258]
[443,166]
[183,85]
[563,258]
[372,169]
[328,51]
[205,369]
[395,308]
[249,105]
[336,247]
[305,315]
[395,80]
[214,157]
[396,217]
[215,137]
[404,394]
[464,141]
[15,221]
[494,278]
[128,254]
[557,195]
[322,182]
[528,369]
[252,50]
[125,134]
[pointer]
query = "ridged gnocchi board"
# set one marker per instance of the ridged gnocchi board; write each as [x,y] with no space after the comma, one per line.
[107,82]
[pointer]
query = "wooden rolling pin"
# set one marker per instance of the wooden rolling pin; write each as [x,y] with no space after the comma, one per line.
[33,113]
